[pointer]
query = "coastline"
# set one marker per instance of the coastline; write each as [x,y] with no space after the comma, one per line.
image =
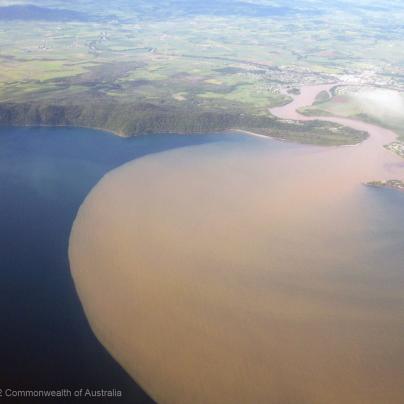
[283,114]
[124,136]
[250,133]
[3,126]
[268,126]
[230,131]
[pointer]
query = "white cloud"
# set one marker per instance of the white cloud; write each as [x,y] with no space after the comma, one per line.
[381,103]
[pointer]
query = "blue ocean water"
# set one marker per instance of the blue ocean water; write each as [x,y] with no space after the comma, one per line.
[45,174]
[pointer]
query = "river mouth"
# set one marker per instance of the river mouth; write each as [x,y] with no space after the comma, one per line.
[256,271]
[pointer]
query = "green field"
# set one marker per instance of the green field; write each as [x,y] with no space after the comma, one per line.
[219,57]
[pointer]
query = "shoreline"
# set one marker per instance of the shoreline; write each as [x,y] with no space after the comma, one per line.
[121,135]
[245,132]
[115,133]
[250,133]
[277,112]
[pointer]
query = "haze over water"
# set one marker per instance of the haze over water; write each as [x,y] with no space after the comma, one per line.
[252,272]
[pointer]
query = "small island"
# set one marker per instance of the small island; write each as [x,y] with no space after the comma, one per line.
[390,184]
[293,91]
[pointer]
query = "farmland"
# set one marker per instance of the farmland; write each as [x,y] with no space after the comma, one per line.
[229,59]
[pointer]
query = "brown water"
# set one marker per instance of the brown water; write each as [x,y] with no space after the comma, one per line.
[370,159]
[253,272]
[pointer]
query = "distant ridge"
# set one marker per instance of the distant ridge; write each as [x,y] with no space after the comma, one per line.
[28,12]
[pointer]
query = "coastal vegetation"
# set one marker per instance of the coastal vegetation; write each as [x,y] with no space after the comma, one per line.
[174,66]
[323,96]
[142,118]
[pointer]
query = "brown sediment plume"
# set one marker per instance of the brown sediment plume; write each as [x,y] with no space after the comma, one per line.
[245,274]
